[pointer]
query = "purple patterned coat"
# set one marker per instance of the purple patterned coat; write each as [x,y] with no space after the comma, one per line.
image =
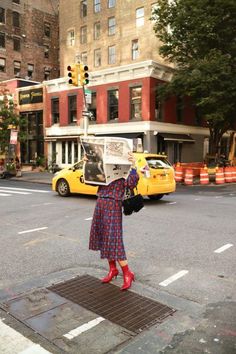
[106,233]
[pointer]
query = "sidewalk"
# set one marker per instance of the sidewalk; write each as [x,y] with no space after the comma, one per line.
[35,177]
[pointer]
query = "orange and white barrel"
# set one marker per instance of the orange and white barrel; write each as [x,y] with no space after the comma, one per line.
[228,174]
[233,174]
[204,176]
[188,177]
[178,173]
[220,177]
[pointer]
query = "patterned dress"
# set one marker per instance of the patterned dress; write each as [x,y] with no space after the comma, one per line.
[106,233]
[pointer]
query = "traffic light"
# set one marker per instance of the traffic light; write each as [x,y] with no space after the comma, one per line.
[73,72]
[84,75]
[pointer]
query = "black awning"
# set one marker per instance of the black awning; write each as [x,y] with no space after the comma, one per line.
[123,135]
[177,137]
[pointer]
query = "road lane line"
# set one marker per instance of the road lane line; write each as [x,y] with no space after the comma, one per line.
[173,278]
[32,230]
[85,327]
[5,195]
[26,189]
[15,192]
[89,218]
[14,342]
[223,248]
[172,203]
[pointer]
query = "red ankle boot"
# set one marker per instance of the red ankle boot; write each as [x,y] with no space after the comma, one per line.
[113,272]
[128,278]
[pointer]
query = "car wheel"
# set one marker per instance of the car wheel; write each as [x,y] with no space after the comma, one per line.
[156,196]
[63,188]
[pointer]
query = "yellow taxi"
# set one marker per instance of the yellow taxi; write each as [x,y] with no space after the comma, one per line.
[156,177]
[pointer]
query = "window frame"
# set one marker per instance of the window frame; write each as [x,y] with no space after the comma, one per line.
[17,68]
[55,111]
[83,34]
[83,8]
[96,6]
[112,107]
[30,71]
[71,38]
[16,19]
[3,66]
[72,110]
[16,44]
[47,29]
[111,26]
[111,3]
[111,56]
[132,104]
[139,18]
[134,51]
[3,37]
[97,51]
[3,15]
[97,30]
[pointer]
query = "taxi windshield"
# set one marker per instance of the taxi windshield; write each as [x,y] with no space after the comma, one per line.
[158,162]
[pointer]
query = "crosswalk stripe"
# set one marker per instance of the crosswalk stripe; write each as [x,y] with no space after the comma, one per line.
[15,192]
[5,195]
[25,189]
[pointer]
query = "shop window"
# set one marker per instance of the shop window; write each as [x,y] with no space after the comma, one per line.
[71,38]
[97,30]
[47,29]
[30,71]
[111,3]
[72,104]
[111,55]
[2,64]
[55,110]
[83,35]
[17,68]
[140,17]
[2,15]
[2,40]
[15,19]
[83,8]
[63,152]
[97,57]
[97,5]
[93,106]
[135,49]
[16,44]
[113,101]
[111,26]
[136,102]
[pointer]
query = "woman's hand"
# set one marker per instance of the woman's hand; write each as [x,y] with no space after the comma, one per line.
[131,158]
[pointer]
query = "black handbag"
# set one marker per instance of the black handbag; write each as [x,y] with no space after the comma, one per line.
[132,202]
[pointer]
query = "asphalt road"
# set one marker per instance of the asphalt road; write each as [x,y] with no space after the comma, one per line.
[181,248]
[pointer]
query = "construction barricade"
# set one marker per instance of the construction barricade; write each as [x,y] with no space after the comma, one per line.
[178,173]
[233,174]
[220,177]
[204,176]
[188,177]
[228,174]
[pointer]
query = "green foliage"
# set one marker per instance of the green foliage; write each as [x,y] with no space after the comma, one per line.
[200,38]
[9,119]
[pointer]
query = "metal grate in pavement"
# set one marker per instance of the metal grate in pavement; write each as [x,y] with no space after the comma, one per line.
[127,309]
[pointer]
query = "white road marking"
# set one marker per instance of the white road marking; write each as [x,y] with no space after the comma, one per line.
[223,248]
[5,195]
[89,218]
[13,342]
[173,278]
[32,230]
[26,189]
[172,203]
[15,192]
[85,327]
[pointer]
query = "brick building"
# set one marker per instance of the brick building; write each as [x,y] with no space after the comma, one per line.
[29,46]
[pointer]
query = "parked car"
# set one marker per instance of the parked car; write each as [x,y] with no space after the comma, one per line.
[156,178]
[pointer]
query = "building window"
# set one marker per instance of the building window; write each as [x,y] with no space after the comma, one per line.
[136,102]
[83,8]
[30,71]
[71,38]
[97,57]
[111,55]
[83,35]
[47,74]
[46,51]
[72,104]
[111,26]
[16,44]
[111,3]
[93,105]
[2,15]
[135,49]
[113,100]
[17,67]
[159,107]
[55,110]
[2,40]
[47,29]
[97,5]
[63,152]
[16,19]
[2,65]
[140,17]
[97,30]
[84,57]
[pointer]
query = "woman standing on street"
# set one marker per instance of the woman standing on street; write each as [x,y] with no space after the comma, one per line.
[106,233]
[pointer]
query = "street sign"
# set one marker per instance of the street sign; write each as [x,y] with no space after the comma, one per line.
[87,114]
[88,96]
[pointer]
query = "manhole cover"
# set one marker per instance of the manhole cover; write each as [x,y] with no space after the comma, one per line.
[127,309]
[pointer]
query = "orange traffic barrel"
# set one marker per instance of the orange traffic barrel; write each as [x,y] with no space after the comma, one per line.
[204,176]
[188,177]
[233,174]
[220,177]
[178,173]
[228,174]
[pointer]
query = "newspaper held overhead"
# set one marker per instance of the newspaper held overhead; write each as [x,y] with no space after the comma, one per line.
[107,159]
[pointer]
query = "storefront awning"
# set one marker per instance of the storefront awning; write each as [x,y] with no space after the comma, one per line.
[123,135]
[61,137]
[177,137]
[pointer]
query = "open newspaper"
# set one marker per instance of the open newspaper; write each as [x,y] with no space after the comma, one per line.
[107,159]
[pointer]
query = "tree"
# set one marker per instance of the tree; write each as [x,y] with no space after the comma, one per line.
[9,119]
[199,37]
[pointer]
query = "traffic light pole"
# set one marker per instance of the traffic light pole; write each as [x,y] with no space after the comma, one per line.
[85,114]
